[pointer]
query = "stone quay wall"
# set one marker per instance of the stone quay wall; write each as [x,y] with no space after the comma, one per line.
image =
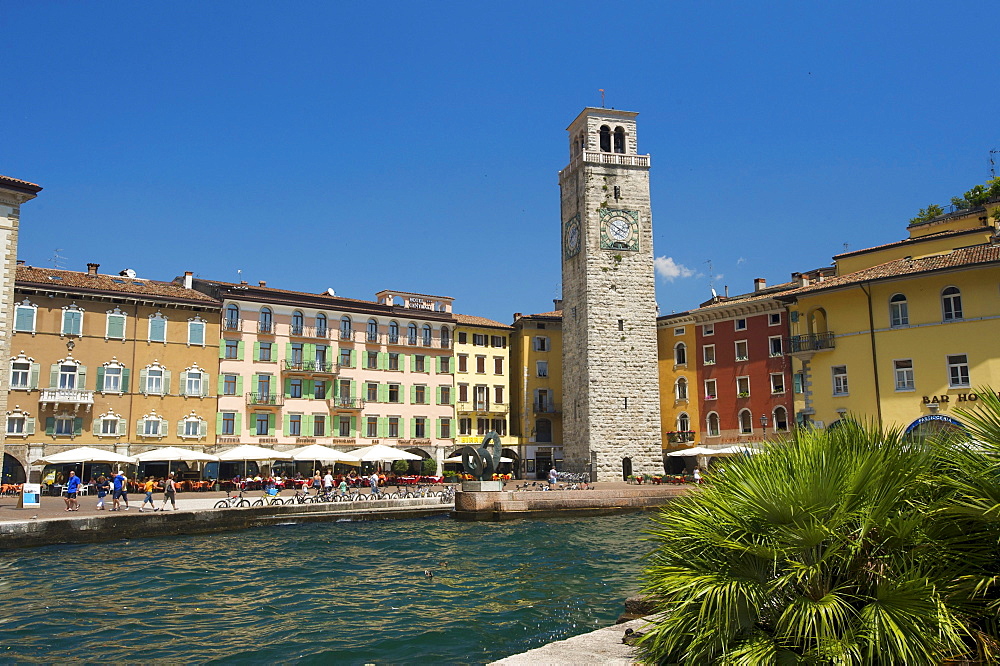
[511,505]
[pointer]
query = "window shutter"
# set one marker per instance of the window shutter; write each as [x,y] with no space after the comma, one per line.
[96,426]
[166,382]
[196,333]
[239,384]
[205,378]
[142,381]
[125,376]
[383,426]
[35,370]
[437,395]
[180,428]
[157,330]
[309,352]
[164,424]
[100,378]
[413,427]
[203,428]
[383,393]
[354,389]
[254,383]
[54,376]
[77,426]
[139,430]
[122,428]
[183,387]
[329,390]
[307,426]
[222,348]
[240,350]
[218,423]
[238,427]
[352,359]
[354,426]
[288,388]
[288,351]
[29,425]
[81,377]
[50,426]
[270,424]
[256,351]
[308,388]
[222,384]
[25,320]
[413,395]
[285,421]
[116,326]
[438,427]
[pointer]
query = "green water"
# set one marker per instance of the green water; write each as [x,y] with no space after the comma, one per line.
[347,592]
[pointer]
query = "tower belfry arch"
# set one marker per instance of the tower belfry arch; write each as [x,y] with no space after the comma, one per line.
[611,406]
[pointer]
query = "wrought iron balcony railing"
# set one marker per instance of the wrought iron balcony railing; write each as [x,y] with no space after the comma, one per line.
[809,342]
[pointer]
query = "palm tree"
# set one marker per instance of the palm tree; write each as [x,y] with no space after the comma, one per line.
[841,546]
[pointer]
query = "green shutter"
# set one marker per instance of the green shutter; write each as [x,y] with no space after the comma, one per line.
[413,395]
[205,379]
[240,350]
[183,387]
[288,351]
[50,426]
[256,351]
[437,423]
[288,388]
[218,422]
[95,426]
[329,390]
[81,376]
[122,428]
[354,389]
[413,427]
[354,426]
[180,428]
[222,348]
[309,353]
[270,424]
[222,385]
[437,395]
[307,426]
[78,426]
[353,359]
[238,427]
[166,382]
[100,378]
[383,393]
[203,428]
[125,377]
[239,384]
[54,376]
[308,388]
[142,381]
[35,370]
[286,420]
[383,426]
[29,425]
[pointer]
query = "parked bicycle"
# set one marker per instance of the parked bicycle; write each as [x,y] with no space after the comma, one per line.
[231,501]
[271,497]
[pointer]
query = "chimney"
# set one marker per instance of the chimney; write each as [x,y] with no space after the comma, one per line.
[263,283]
[20,262]
[557,302]
[188,278]
[726,289]
[759,283]
[92,269]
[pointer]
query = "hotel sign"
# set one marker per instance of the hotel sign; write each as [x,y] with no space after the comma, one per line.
[941,399]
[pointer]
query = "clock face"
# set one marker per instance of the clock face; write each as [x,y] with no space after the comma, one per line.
[572,236]
[619,230]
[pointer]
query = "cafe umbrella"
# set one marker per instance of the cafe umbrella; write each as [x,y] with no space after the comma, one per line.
[247,452]
[171,454]
[319,453]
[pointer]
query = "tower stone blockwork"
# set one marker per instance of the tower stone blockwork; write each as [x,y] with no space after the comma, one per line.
[611,406]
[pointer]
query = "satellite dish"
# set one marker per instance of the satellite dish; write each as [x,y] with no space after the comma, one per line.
[128,272]
[330,291]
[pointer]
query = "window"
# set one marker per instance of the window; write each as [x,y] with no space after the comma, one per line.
[262,424]
[420,427]
[64,426]
[294,425]
[774,344]
[741,324]
[951,304]
[711,392]
[497,365]
[780,419]
[742,350]
[481,364]
[393,332]
[232,320]
[746,422]
[497,395]
[152,425]
[229,385]
[683,422]
[619,140]
[298,323]
[445,365]
[371,391]
[345,328]
[445,429]
[319,389]
[24,317]
[110,380]
[708,354]
[839,379]
[542,368]
[679,330]
[774,319]
[411,334]
[297,353]
[463,337]
[958,371]
[899,311]
[72,320]
[155,380]
[115,325]
[777,383]
[393,426]
[194,382]
[742,387]
[196,332]
[419,363]
[393,361]
[192,427]
[605,139]
[464,426]
[498,341]
[232,349]
[69,375]
[420,394]
[320,359]
[394,393]
[265,322]
[17,424]
[903,371]
[371,426]
[157,328]
[295,388]
[264,387]
[321,328]
[228,423]
[708,329]
[681,389]
[345,359]
[444,395]
[344,426]
[478,340]
[541,343]
[463,363]
[463,392]
[680,354]
[371,360]
[110,425]
[319,425]
[543,430]
[371,332]
[798,381]
[427,335]
[712,424]
[20,374]
[265,351]
[445,337]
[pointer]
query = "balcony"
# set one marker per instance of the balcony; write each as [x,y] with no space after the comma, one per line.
[70,397]
[348,404]
[265,327]
[231,325]
[480,407]
[321,332]
[311,367]
[265,399]
[545,408]
[298,330]
[804,346]
[680,436]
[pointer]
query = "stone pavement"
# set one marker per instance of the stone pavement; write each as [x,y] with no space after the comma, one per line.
[603,646]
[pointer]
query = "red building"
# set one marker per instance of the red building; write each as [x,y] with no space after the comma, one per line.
[744,372]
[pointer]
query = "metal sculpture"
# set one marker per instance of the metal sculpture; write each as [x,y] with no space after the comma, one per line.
[482,463]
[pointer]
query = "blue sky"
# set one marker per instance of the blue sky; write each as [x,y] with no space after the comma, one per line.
[416,146]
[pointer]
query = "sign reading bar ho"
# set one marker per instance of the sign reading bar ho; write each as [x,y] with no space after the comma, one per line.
[30,496]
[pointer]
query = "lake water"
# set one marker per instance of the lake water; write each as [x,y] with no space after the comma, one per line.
[347,592]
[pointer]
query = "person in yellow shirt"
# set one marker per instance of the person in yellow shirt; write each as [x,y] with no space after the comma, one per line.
[148,489]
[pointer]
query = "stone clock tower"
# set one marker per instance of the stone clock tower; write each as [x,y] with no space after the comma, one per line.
[611,397]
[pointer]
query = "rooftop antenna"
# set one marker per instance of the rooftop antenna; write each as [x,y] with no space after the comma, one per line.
[711,277]
[602,97]
[239,274]
[846,246]
[57,259]
[993,171]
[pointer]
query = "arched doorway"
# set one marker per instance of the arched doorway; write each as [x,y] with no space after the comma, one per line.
[934,424]
[13,471]
[626,468]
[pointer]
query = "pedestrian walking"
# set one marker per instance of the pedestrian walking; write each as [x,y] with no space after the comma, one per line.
[119,492]
[553,477]
[328,483]
[697,475]
[374,482]
[103,488]
[169,492]
[147,487]
[72,488]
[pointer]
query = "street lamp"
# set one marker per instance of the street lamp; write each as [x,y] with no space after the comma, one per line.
[763,423]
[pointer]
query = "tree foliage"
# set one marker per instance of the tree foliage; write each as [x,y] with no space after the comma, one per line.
[847,546]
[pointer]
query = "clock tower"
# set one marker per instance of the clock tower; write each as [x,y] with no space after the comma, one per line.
[611,397]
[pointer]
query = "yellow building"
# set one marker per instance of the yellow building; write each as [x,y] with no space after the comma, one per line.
[536,385]
[676,341]
[482,371]
[901,333]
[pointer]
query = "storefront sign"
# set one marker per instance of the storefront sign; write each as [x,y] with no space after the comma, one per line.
[930,418]
[960,397]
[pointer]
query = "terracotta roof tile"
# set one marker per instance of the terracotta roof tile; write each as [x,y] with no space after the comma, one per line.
[910,241]
[471,320]
[75,280]
[20,184]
